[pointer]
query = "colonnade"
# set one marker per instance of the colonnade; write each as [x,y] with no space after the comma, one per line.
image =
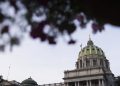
[100,82]
[83,63]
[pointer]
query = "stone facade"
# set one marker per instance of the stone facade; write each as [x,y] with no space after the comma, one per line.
[92,68]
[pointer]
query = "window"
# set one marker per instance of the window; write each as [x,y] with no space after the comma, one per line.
[94,62]
[80,63]
[101,62]
[77,65]
[87,62]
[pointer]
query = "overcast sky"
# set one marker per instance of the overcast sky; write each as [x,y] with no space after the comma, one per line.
[46,63]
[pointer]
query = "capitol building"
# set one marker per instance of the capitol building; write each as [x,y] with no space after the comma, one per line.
[92,68]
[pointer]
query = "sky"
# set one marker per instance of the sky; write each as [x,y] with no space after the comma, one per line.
[46,63]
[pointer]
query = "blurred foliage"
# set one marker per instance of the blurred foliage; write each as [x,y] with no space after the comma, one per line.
[59,16]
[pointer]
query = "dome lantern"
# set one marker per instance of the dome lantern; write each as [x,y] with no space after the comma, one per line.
[90,42]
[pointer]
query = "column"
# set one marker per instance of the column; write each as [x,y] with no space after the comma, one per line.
[85,63]
[66,84]
[98,62]
[78,84]
[90,83]
[75,83]
[79,66]
[103,84]
[54,84]
[90,62]
[104,63]
[87,83]
[99,82]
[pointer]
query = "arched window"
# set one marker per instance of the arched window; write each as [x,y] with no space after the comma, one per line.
[94,62]
[101,62]
[87,62]
[80,63]
[77,65]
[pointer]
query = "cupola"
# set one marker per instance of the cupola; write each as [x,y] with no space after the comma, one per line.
[29,82]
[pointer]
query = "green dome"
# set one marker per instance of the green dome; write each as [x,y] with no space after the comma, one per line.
[29,82]
[91,49]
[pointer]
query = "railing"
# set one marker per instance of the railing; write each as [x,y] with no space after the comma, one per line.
[82,73]
[53,84]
